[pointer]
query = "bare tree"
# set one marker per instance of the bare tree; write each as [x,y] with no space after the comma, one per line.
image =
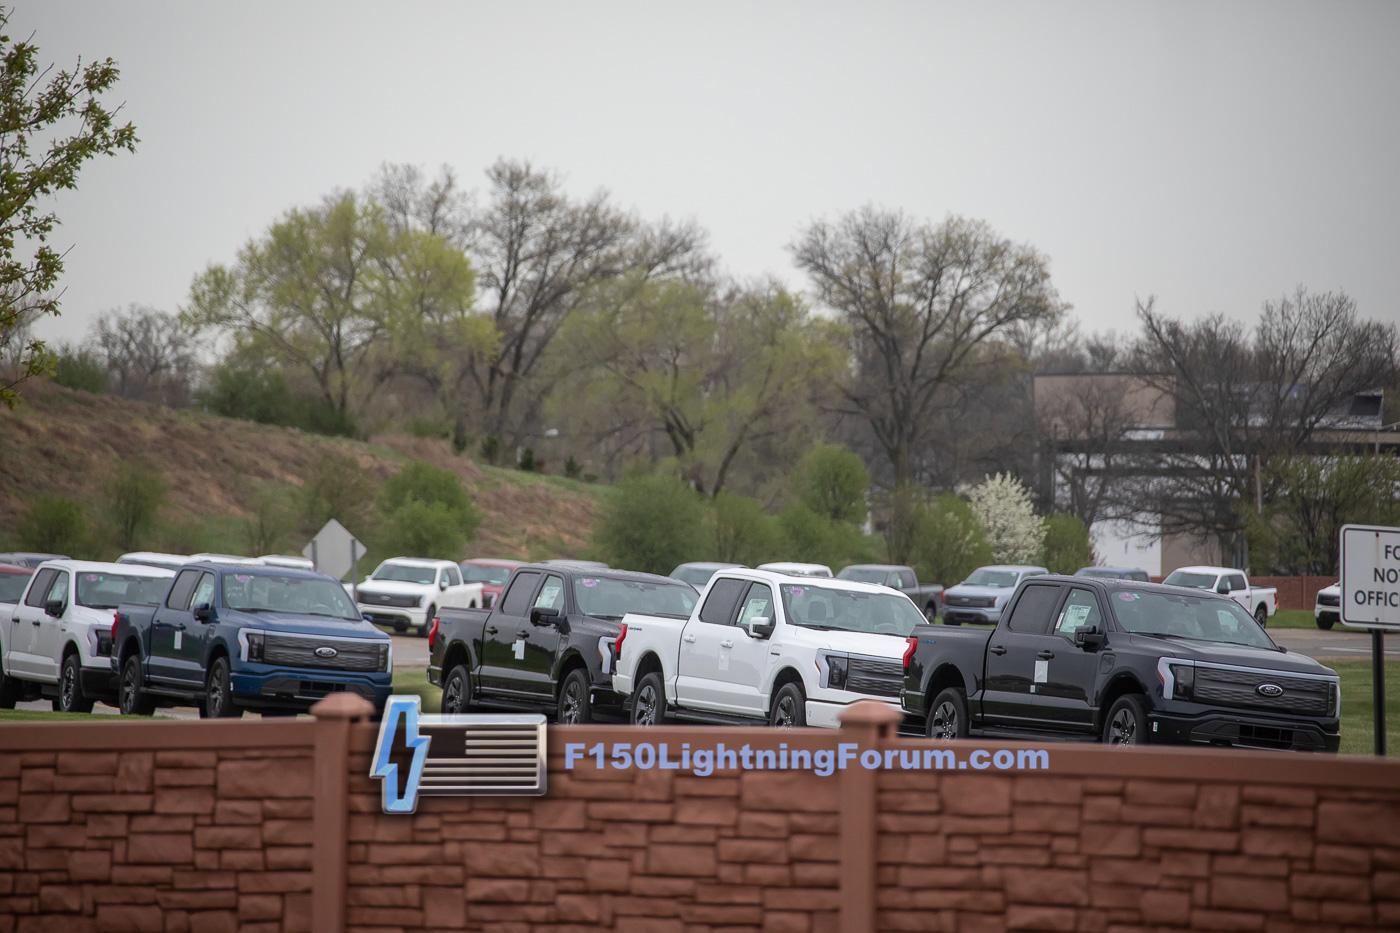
[919,299]
[149,354]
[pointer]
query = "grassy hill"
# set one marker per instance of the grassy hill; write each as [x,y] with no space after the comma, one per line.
[65,442]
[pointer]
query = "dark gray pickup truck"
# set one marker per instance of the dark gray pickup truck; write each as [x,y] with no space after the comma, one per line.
[1122,662]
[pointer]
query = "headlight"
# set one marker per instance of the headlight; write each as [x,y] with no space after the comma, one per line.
[384,657]
[418,603]
[835,670]
[1183,681]
[255,645]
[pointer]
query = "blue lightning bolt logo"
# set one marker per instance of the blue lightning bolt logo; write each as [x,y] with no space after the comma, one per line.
[405,708]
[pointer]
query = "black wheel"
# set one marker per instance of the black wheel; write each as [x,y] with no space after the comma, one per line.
[9,691]
[789,708]
[574,704]
[427,622]
[400,626]
[70,687]
[131,698]
[931,613]
[1324,624]
[1261,615]
[1126,722]
[218,693]
[457,690]
[649,702]
[947,715]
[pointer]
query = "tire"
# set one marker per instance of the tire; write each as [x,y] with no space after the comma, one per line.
[789,709]
[1325,624]
[649,701]
[1261,615]
[947,715]
[427,622]
[131,698]
[931,613]
[218,693]
[457,691]
[9,691]
[575,706]
[71,698]
[1126,722]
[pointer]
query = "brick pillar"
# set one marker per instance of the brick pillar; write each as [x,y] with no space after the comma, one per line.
[330,816]
[868,724]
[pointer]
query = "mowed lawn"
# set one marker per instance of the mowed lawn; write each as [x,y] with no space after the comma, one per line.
[1294,618]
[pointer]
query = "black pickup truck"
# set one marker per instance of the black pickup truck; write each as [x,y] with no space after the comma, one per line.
[546,645]
[1122,662]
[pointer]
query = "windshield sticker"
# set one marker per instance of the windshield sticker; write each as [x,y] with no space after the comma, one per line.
[589,582]
[90,578]
[242,577]
[797,590]
[1128,597]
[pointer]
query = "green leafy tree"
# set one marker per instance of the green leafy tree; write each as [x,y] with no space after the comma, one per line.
[51,123]
[833,482]
[650,523]
[812,538]
[743,533]
[1300,531]
[1067,544]
[337,487]
[77,368]
[424,529]
[54,525]
[271,519]
[133,497]
[948,540]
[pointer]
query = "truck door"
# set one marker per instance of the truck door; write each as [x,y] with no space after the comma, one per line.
[1069,692]
[1239,590]
[1018,656]
[542,641]
[191,641]
[503,638]
[168,621]
[747,662]
[699,682]
[48,634]
[24,625]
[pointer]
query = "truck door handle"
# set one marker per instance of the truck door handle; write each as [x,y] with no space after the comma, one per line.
[33,621]
[491,630]
[523,633]
[1045,655]
[688,639]
[997,649]
[726,644]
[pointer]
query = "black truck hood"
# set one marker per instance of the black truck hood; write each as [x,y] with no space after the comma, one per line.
[1221,653]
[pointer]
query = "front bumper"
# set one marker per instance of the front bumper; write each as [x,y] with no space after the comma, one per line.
[825,714]
[971,615]
[1327,613]
[1245,731]
[393,617]
[262,686]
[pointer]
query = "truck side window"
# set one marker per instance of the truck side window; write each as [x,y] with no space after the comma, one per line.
[1081,610]
[1236,582]
[179,597]
[906,580]
[204,593]
[1031,615]
[454,576]
[758,604]
[719,605]
[551,594]
[40,587]
[517,598]
[59,590]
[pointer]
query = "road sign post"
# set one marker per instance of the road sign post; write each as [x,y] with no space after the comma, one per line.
[1370,588]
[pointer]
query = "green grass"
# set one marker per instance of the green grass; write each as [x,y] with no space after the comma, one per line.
[417,682]
[1357,722]
[37,715]
[1293,618]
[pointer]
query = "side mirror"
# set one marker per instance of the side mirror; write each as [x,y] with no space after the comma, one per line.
[1223,589]
[204,613]
[442,584]
[55,607]
[367,617]
[1089,638]
[544,615]
[759,627]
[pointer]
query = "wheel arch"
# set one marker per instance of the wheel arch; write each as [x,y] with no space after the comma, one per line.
[1124,682]
[782,676]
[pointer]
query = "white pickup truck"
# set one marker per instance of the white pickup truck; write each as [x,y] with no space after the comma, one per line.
[766,647]
[57,640]
[1259,601]
[405,593]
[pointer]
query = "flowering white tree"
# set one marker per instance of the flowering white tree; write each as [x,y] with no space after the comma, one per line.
[1003,506]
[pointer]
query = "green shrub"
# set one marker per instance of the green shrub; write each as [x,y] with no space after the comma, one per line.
[424,529]
[1067,544]
[650,523]
[741,532]
[255,393]
[812,538]
[833,482]
[337,487]
[133,497]
[572,469]
[80,369]
[421,426]
[54,525]
[948,542]
[271,519]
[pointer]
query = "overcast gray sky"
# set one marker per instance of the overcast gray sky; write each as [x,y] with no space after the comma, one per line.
[1213,154]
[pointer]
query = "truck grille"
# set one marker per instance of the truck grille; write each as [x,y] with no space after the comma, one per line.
[384,599]
[877,678]
[300,651]
[978,602]
[1327,599]
[1302,695]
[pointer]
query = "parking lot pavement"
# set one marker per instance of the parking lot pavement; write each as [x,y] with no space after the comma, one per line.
[410,652]
[1338,645]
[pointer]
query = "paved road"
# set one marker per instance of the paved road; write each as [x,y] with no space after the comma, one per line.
[1337,645]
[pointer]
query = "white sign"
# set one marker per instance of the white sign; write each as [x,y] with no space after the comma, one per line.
[334,550]
[1371,577]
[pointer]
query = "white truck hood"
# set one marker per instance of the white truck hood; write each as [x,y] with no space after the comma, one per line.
[866,643]
[396,588]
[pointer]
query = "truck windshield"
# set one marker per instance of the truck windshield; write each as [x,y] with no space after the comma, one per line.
[479,573]
[998,578]
[611,598]
[848,611]
[407,573]
[110,590]
[863,575]
[308,596]
[1197,581]
[1198,617]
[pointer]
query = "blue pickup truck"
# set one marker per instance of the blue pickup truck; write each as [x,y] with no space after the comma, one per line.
[229,638]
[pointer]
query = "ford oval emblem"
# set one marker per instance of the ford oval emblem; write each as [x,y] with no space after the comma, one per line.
[1269,690]
[326,651]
